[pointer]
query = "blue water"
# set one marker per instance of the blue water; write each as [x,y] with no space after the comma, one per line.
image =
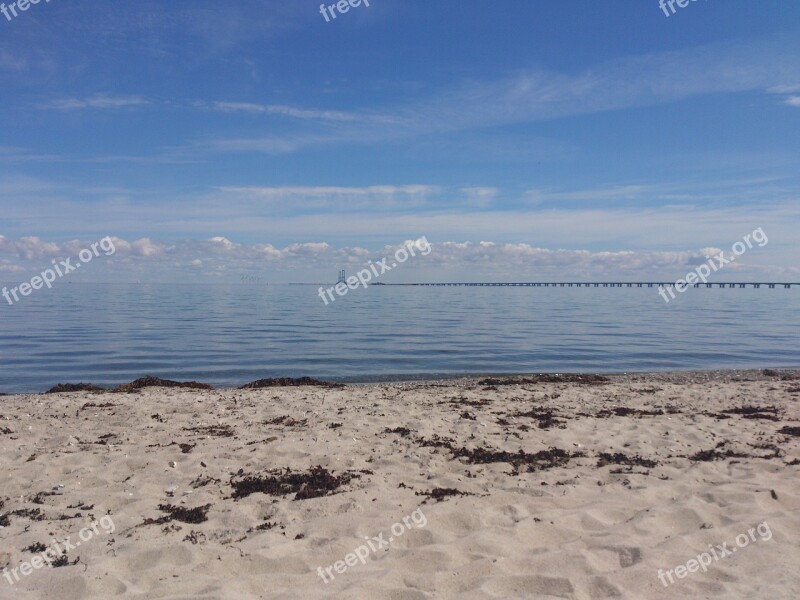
[229,335]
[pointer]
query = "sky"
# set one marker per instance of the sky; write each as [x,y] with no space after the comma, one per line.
[524,139]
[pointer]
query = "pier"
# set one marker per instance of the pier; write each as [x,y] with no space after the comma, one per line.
[607,284]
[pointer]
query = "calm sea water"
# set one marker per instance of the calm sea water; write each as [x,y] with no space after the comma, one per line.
[229,335]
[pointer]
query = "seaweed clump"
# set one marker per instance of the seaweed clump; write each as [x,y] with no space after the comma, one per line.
[199,514]
[315,483]
[545,418]
[74,387]
[795,431]
[439,494]
[618,458]
[717,453]
[401,431]
[151,381]
[537,461]
[769,413]
[212,430]
[624,411]
[288,382]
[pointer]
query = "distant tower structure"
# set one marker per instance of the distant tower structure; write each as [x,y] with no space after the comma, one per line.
[342,277]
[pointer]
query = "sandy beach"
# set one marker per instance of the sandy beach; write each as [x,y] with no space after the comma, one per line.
[522,487]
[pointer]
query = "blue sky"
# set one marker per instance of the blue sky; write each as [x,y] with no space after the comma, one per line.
[215,139]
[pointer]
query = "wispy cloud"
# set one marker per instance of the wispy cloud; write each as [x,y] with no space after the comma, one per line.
[98,101]
[784,89]
[480,196]
[337,198]
[793,101]
[10,154]
[635,81]
[285,111]
[16,61]
[539,95]
[328,191]
[625,192]
[264,145]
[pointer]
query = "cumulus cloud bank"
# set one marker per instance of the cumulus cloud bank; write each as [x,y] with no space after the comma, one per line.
[448,261]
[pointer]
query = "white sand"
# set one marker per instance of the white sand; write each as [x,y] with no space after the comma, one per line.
[572,531]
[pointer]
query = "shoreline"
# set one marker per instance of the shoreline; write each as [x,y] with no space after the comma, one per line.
[723,375]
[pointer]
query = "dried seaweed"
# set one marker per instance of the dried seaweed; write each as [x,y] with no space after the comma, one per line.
[151,381]
[315,483]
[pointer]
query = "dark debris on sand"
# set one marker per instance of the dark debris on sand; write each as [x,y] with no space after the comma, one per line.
[624,411]
[74,387]
[202,481]
[605,458]
[286,421]
[317,482]
[151,381]
[538,461]
[101,405]
[795,431]
[439,494]
[520,461]
[33,514]
[545,418]
[63,561]
[211,430]
[718,453]
[769,413]
[199,514]
[437,442]
[401,431]
[39,497]
[464,401]
[547,378]
[289,382]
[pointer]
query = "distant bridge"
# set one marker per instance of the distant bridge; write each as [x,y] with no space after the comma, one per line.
[607,284]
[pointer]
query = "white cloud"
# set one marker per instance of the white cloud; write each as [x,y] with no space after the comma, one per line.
[793,101]
[328,191]
[98,101]
[464,260]
[146,247]
[538,95]
[284,111]
[481,197]
[784,89]
[625,192]
[28,248]
[336,198]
